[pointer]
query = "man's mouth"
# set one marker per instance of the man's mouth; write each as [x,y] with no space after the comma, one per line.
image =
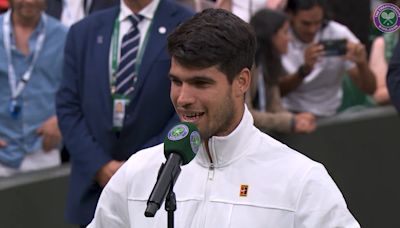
[191,117]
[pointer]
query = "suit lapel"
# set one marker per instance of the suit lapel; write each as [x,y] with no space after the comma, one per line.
[100,53]
[159,30]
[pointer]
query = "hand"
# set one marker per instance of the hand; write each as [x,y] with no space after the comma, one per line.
[51,134]
[3,143]
[304,122]
[107,171]
[312,54]
[357,53]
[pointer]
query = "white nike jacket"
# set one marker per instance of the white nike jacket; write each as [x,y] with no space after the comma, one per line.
[254,181]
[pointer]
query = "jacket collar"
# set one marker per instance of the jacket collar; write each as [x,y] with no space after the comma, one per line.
[227,149]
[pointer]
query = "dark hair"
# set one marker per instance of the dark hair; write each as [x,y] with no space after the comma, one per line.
[295,5]
[214,37]
[266,24]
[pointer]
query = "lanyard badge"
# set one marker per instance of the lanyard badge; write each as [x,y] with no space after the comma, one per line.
[120,104]
[18,86]
[15,108]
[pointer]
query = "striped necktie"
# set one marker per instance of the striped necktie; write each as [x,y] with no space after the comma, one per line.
[126,78]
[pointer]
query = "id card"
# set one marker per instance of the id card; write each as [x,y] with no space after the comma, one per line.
[119,107]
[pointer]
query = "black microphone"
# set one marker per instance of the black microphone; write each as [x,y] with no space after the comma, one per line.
[180,147]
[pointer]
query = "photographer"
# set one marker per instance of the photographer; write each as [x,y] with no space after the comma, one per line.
[319,54]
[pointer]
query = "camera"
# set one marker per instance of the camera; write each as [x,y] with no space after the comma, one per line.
[334,47]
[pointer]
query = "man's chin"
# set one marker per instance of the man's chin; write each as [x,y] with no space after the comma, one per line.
[307,39]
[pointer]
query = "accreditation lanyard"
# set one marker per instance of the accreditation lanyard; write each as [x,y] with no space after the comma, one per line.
[114,54]
[18,87]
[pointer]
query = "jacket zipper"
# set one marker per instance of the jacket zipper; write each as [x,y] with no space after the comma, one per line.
[211,172]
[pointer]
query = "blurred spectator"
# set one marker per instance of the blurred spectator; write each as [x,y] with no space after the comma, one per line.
[393,77]
[276,4]
[241,8]
[71,11]
[264,100]
[381,53]
[3,5]
[30,72]
[316,81]
[115,56]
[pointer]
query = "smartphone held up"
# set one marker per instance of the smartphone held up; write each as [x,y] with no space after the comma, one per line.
[334,47]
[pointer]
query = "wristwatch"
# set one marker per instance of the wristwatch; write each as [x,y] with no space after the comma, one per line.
[303,71]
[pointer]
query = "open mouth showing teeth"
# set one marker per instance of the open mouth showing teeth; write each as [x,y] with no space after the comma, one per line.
[192,116]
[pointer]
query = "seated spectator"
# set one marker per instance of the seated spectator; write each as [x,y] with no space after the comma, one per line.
[263,99]
[30,72]
[315,80]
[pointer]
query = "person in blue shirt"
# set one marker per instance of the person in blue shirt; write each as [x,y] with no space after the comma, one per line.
[31,47]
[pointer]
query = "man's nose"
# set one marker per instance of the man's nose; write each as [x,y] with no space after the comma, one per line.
[186,95]
[313,29]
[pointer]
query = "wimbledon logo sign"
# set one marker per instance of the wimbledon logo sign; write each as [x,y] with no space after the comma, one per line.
[178,132]
[386,17]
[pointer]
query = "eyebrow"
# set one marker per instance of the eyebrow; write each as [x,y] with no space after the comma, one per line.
[197,78]
[312,21]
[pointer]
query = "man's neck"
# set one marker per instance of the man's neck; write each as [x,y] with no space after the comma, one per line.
[136,5]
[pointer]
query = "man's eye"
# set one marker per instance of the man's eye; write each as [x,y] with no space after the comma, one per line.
[176,82]
[201,84]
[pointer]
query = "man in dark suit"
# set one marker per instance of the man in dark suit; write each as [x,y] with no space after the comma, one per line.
[88,102]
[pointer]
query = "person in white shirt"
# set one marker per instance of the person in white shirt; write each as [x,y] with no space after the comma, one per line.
[240,176]
[315,80]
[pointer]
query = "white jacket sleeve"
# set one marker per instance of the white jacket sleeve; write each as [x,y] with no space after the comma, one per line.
[112,208]
[321,204]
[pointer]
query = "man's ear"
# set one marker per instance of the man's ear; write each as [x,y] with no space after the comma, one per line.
[242,82]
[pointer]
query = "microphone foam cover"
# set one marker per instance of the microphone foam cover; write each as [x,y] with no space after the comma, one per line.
[183,139]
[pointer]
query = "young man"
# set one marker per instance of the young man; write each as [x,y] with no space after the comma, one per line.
[240,177]
[30,73]
[118,55]
[315,81]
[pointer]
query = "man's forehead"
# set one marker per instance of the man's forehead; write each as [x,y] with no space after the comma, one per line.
[185,73]
[177,66]
[315,13]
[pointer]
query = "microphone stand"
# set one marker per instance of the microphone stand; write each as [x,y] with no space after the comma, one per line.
[170,205]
